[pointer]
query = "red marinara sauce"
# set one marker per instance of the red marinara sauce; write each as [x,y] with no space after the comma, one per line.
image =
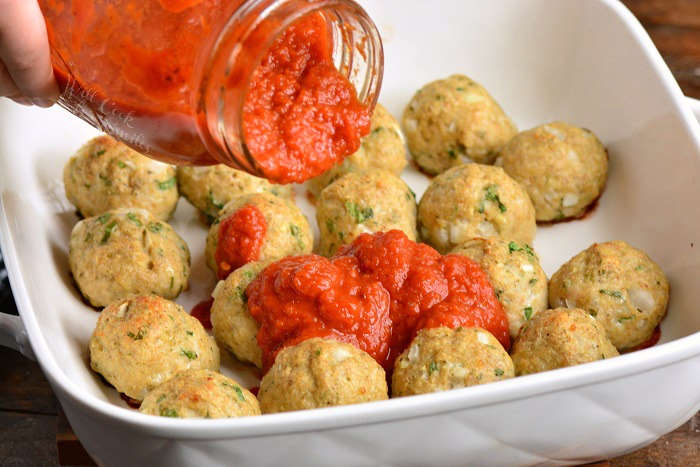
[132,68]
[376,294]
[202,311]
[652,341]
[302,116]
[241,237]
[301,297]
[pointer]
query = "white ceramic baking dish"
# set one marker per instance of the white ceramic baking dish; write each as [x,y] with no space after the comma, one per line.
[587,62]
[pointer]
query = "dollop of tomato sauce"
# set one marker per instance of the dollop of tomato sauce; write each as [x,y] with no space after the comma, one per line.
[301,115]
[202,311]
[376,294]
[133,68]
[241,237]
[301,297]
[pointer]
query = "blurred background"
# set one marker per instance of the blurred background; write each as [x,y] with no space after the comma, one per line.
[34,432]
[674,26]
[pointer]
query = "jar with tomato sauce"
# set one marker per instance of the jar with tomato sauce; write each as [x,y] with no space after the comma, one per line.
[279,88]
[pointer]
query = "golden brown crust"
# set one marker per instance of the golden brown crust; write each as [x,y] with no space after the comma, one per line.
[141,342]
[321,373]
[559,338]
[441,359]
[474,200]
[621,286]
[105,174]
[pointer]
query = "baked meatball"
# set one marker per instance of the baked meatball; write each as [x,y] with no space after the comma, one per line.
[200,394]
[474,200]
[382,148]
[364,202]
[452,121]
[562,167]
[440,359]
[287,230]
[619,285]
[233,326]
[105,174]
[125,252]
[321,373]
[143,341]
[514,272]
[558,338]
[210,188]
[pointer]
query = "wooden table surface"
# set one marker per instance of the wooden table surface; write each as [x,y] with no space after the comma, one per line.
[30,418]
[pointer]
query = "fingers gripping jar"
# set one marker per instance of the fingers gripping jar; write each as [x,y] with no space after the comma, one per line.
[280,88]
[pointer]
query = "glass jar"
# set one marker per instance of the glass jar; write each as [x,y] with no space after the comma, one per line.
[170,77]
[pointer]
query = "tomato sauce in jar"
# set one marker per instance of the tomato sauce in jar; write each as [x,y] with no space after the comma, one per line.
[256,84]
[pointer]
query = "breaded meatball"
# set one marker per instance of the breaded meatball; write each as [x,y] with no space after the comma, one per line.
[382,148]
[321,373]
[125,252]
[619,285]
[233,326]
[452,121]
[559,338]
[105,174]
[200,394]
[440,359]
[364,202]
[287,230]
[514,272]
[209,188]
[562,167]
[474,200]
[143,341]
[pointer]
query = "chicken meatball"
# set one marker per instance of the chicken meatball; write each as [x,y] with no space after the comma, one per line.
[516,276]
[562,167]
[452,121]
[210,188]
[382,148]
[233,326]
[143,341]
[440,359]
[559,338]
[619,285]
[125,252]
[286,231]
[200,394]
[474,200]
[364,202]
[321,373]
[105,174]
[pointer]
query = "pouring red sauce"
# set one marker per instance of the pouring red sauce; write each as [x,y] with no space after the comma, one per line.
[241,237]
[302,116]
[132,69]
[376,294]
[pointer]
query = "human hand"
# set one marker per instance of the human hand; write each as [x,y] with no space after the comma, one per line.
[26,75]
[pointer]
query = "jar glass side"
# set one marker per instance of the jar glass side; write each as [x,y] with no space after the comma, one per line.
[127,68]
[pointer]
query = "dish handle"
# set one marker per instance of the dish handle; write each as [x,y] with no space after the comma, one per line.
[14,336]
